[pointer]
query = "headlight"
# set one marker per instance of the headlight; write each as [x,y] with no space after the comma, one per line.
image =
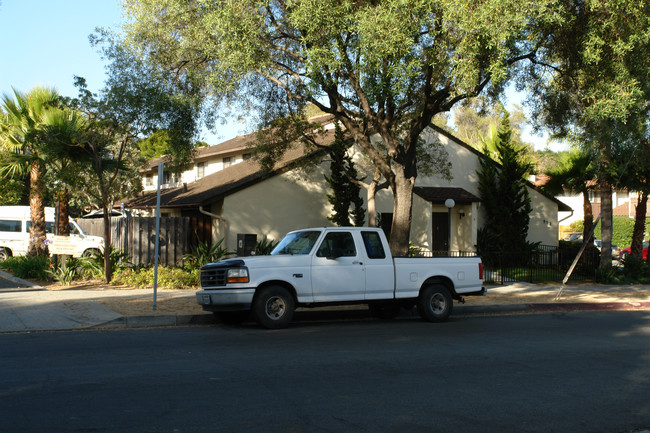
[237,275]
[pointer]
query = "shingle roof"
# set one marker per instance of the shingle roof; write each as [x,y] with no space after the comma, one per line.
[561,207]
[227,181]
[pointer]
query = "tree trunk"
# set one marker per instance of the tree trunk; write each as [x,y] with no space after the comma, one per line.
[108,274]
[589,215]
[37,232]
[402,213]
[636,250]
[372,189]
[606,222]
[64,213]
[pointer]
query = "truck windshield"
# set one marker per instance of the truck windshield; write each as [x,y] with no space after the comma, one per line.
[297,243]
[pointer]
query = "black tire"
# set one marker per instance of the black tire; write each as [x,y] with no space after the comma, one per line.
[384,310]
[4,255]
[273,307]
[435,303]
[232,317]
[90,252]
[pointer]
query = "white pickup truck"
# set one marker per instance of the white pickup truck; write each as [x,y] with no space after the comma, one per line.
[335,265]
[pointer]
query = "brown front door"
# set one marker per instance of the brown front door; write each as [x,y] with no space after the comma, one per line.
[440,222]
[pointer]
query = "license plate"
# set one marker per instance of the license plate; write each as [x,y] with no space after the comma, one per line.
[206,299]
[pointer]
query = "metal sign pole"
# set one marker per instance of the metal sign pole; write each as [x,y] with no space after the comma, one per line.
[155,268]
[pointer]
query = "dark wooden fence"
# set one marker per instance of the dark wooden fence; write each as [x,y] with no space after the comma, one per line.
[137,236]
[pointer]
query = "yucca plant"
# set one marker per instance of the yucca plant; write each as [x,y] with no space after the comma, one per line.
[66,274]
[205,253]
[265,246]
[94,263]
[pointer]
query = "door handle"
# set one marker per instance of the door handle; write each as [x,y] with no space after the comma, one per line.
[357,262]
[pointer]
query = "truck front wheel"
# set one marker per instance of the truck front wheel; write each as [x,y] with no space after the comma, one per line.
[435,303]
[4,254]
[273,307]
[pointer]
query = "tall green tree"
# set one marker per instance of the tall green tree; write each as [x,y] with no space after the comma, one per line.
[634,175]
[24,117]
[136,100]
[382,68]
[342,181]
[504,195]
[600,50]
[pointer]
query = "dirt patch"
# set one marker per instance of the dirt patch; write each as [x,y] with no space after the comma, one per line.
[164,306]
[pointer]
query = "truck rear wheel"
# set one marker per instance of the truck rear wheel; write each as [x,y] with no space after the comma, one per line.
[4,255]
[273,307]
[435,303]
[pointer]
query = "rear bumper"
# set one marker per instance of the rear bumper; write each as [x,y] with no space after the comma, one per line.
[481,292]
[225,300]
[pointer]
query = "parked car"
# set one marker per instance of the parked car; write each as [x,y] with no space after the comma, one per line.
[14,234]
[336,265]
[627,251]
[616,251]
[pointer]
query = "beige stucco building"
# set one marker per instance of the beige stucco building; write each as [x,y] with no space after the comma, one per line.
[241,199]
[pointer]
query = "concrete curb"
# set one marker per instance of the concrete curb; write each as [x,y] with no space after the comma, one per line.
[550,307]
[161,320]
[19,281]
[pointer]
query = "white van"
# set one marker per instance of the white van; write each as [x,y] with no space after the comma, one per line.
[14,233]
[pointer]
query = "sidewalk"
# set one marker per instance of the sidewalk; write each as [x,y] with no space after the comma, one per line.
[27,307]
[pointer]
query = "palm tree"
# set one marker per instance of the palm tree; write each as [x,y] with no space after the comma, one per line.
[576,173]
[64,130]
[21,125]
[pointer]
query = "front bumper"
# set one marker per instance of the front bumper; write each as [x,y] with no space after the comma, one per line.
[225,299]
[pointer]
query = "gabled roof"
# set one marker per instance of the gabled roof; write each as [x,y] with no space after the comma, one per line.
[561,207]
[230,147]
[213,187]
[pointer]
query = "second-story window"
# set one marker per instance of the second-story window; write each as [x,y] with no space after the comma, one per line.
[200,170]
[227,161]
[148,180]
[170,178]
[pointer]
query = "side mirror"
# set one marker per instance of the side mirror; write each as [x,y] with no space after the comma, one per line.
[335,254]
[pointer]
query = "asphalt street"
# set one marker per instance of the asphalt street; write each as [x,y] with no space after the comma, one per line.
[562,372]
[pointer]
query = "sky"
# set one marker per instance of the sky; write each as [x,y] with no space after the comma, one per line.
[45,42]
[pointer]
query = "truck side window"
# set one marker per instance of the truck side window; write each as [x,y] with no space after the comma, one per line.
[372,242]
[49,226]
[337,240]
[10,226]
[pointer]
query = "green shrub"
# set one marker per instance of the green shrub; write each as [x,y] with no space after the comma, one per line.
[93,265]
[168,277]
[636,270]
[35,268]
[68,273]
[205,253]
[622,230]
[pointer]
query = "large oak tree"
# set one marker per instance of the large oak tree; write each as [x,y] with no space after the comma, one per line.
[383,67]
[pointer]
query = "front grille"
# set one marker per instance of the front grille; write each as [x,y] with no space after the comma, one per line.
[211,277]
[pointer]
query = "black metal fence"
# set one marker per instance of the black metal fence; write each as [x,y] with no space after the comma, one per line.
[545,263]
[137,237]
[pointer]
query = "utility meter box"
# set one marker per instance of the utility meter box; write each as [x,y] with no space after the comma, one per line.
[246,244]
